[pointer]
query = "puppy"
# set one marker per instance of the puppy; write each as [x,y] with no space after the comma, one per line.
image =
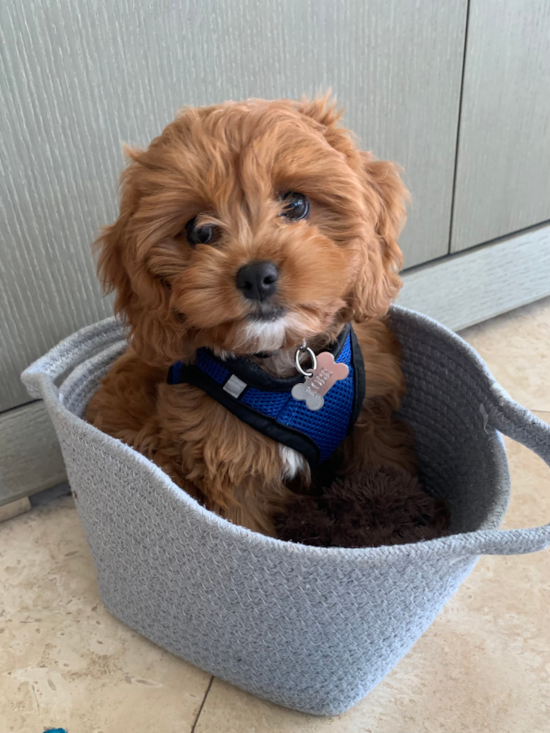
[276,190]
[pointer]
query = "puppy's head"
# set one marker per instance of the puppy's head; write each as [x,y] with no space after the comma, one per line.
[248,227]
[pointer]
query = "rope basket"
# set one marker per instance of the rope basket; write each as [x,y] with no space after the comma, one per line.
[310,628]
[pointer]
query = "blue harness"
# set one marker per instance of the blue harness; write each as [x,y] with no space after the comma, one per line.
[265,402]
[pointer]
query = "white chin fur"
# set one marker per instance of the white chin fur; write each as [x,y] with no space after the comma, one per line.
[266,335]
[293,462]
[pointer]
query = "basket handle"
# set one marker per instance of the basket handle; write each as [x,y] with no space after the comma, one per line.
[497,408]
[69,353]
[513,420]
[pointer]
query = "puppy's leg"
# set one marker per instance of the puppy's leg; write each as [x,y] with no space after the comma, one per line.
[233,470]
[379,438]
[256,504]
[126,407]
[126,398]
[239,471]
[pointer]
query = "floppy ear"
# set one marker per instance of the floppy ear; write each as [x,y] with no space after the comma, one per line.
[141,301]
[381,259]
[110,268]
[111,245]
[378,254]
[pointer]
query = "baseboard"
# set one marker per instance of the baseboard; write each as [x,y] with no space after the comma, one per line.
[481,283]
[30,456]
[458,291]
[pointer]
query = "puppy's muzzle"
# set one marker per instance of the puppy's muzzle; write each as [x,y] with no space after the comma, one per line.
[257,280]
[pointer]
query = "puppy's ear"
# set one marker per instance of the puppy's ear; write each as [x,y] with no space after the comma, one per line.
[381,259]
[142,301]
[110,265]
[385,197]
[112,242]
[117,250]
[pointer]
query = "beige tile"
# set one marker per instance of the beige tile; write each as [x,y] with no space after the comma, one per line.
[516,347]
[530,496]
[484,664]
[65,661]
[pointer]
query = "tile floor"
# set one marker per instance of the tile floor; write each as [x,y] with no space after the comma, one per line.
[484,665]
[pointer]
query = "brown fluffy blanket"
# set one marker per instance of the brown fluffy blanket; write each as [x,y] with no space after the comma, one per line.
[373,508]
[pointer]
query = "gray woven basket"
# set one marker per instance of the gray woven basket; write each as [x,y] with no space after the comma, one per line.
[313,629]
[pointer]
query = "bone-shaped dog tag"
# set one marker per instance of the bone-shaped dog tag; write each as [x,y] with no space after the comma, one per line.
[313,389]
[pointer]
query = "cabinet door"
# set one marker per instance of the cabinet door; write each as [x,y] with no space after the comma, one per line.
[503,172]
[78,78]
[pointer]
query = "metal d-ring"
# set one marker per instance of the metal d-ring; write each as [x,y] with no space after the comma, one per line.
[303,349]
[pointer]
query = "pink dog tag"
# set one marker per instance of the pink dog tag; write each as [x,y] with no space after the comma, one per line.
[323,377]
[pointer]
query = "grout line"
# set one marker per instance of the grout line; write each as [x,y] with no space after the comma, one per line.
[202,704]
[460,99]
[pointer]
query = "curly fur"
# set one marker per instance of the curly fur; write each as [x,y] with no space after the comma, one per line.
[228,165]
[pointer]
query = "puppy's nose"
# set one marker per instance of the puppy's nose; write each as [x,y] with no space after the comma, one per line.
[258,280]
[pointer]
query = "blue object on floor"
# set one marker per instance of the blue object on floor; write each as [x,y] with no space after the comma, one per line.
[55,730]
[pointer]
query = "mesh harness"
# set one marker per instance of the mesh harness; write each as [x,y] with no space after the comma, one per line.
[265,402]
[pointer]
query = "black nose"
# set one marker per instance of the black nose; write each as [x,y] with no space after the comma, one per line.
[258,280]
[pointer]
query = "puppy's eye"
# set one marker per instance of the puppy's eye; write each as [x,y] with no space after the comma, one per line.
[200,235]
[295,205]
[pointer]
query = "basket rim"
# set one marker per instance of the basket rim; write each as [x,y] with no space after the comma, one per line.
[39,379]
[213,522]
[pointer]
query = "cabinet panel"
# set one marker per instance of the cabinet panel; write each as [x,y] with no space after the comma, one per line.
[30,455]
[503,173]
[79,78]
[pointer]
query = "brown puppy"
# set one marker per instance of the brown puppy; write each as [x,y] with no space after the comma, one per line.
[221,187]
